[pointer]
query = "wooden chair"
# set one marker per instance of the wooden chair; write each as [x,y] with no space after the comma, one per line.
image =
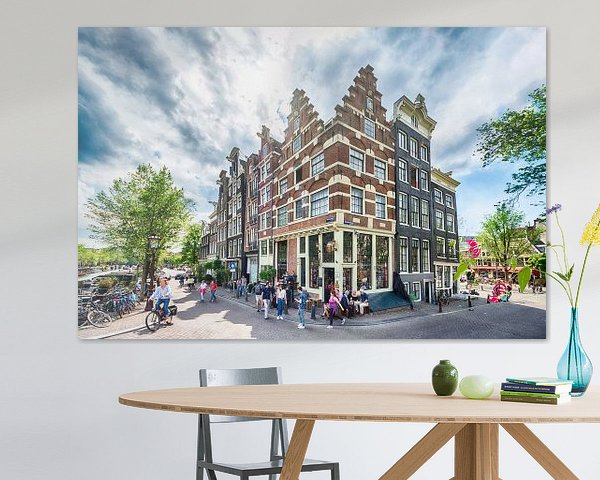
[279,433]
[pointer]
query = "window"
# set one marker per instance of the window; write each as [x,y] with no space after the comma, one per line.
[439,219]
[413,147]
[301,208]
[450,222]
[282,216]
[440,247]
[380,202]
[425,214]
[414,255]
[283,186]
[348,250]
[403,170]
[296,144]
[414,211]
[414,121]
[403,208]
[298,175]
[302,241]
[302,279]
[437,195]
[356,200]
[403,254]
[357,160]
[380,171]
[425,261]
[266,220]
[424,153]
[364,259]
[414,177]
[369,104]
[369,128]
[451,248]
[265,150]
[449,201]
[319,202]
[382,255]
[296,123]
[416,291]
[317,164]
[424,180]
[263,247]
[402,140]
[313,260]
[327,251]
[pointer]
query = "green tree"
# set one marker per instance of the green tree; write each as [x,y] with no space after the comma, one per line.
[267,273]
[519,137]
[503,237]
[146,203]
[190,250]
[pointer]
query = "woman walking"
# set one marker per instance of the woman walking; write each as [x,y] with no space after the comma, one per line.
[213,291]
[334,306]
[281,297]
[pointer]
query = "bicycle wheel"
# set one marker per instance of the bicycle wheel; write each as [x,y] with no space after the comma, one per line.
[153,321]
[99,319]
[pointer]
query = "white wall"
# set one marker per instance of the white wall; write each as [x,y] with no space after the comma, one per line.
[59,416]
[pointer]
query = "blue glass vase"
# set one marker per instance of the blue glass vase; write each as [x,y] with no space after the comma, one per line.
[575,364]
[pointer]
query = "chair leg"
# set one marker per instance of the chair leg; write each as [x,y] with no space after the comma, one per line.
[335,472]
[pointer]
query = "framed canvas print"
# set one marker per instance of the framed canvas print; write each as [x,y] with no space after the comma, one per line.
[294,184]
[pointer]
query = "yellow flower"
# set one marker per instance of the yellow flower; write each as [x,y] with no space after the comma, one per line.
[591,233]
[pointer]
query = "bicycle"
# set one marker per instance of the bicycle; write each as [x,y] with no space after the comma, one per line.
[90,312]
[444,298]
[157,318]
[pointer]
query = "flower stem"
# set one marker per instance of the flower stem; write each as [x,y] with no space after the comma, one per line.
[560,282]
[587,252]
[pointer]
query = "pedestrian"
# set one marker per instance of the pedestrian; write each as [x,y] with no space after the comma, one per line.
[267,293]
[363,301]
[202,290]
[213,291]
[244,285]
[334,304]
[162,294]
[345,303]
[258,292]
[302,298]
[281,298]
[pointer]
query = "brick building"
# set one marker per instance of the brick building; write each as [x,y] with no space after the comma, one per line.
[332,193]
[250,228]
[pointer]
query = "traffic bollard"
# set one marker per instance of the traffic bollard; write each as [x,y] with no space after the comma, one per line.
[469,302]
[313,312]
[246,291]
[439,305]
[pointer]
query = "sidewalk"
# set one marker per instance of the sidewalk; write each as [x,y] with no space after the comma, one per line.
[421,309]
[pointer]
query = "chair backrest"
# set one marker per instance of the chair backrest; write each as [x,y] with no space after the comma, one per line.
[242,376]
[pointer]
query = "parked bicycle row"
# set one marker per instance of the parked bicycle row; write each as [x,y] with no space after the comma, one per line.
[101,310]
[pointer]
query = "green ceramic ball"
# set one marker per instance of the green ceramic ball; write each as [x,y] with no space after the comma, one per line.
[476,386]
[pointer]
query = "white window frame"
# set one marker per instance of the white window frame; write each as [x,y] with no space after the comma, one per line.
[424,180]
[449,201]
[415,220]
[369,128]
[352,200]
[282,211]
[380,205]
[414,148]
[443,254]
[414,241]
[452,223]
[450,254]
[425,214]
[400,247]
[424,153]
[403,168]
[356,160]
[403,140]
[417,174]
[414,121]
[435,193]
[380,169]
[296,144]
[323,202]
[317,164]
[416,292]
[283,182]
[426,259]
[406,209]
[435,220]
[369,104]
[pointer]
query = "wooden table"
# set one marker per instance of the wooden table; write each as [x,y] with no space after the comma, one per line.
[472,423]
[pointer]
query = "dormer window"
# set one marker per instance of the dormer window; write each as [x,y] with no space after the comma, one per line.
[296,123]
[414,121]
[369,104]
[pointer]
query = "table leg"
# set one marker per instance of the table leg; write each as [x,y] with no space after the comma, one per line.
[423,450]
[540,452]
[476,452]
[292,465]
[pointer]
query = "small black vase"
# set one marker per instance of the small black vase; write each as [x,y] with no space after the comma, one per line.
[444,378]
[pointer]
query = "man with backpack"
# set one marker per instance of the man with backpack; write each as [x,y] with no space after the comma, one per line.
[258,291]
[267,294]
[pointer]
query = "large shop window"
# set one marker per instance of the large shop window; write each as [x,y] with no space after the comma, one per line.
[313,254]
[364,260]
[414,255]
[302,279]
[282,258]
[348,248]
[382,253]
[328,248]
[347,274]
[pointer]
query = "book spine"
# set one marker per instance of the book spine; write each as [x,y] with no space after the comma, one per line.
[525,387]
[516,398]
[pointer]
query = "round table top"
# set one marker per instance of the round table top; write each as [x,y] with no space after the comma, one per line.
[399,402]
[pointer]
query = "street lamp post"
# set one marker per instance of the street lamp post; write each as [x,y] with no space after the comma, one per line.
[153,245]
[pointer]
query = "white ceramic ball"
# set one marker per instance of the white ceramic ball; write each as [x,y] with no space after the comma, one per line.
[476,386]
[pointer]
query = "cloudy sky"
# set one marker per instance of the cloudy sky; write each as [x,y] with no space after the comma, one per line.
[183,97]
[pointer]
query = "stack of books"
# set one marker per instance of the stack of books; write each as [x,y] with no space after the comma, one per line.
[550,391]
